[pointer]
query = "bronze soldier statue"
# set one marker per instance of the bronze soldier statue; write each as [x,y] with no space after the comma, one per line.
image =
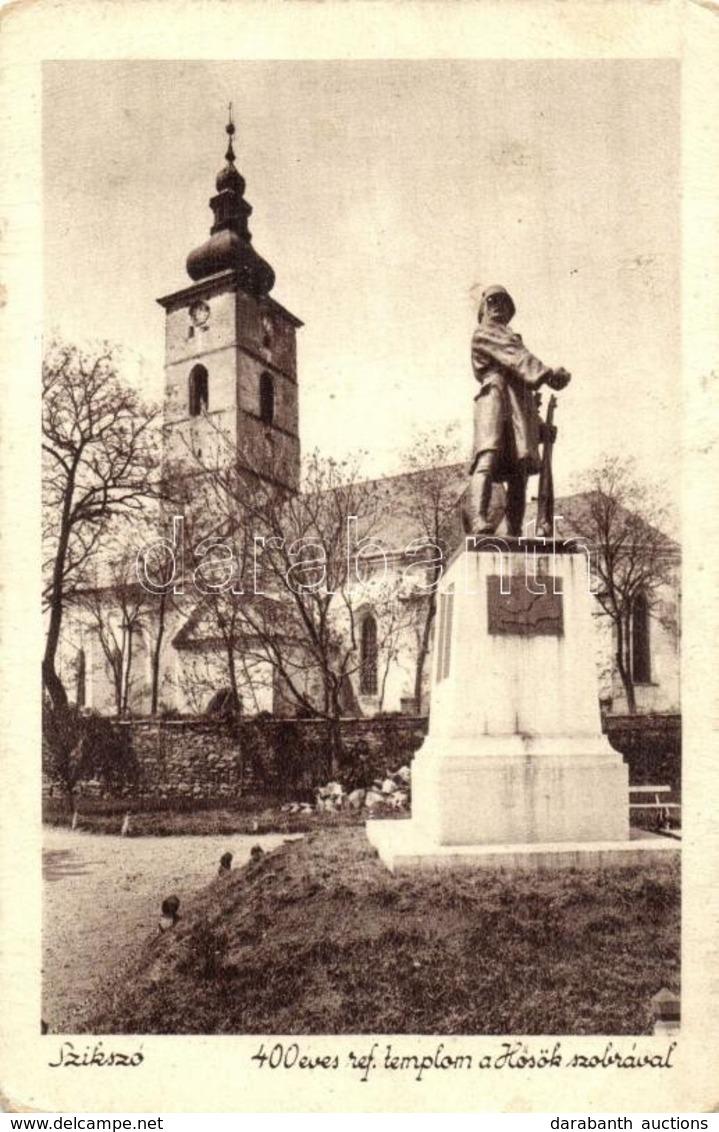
[507,425]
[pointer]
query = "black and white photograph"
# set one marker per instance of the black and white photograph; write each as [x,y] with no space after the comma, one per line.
[364,733]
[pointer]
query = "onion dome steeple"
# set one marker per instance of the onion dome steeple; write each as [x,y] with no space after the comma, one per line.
[230,243]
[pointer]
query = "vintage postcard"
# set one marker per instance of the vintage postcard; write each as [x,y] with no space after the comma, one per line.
[360,540]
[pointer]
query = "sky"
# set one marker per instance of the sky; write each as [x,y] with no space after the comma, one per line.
[387,195]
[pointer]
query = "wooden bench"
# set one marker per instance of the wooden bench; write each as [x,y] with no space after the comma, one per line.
[664,808]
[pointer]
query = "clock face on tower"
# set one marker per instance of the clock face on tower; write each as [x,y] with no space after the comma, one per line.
[199,313]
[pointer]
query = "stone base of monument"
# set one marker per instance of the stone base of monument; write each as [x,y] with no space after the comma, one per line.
[515,771]
[515,790]
[402,845]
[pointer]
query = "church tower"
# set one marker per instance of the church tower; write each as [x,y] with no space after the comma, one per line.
[230,351]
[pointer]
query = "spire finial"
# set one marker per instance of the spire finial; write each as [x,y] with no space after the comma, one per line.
[230,130]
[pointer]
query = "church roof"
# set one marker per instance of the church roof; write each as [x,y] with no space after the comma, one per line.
[399,521]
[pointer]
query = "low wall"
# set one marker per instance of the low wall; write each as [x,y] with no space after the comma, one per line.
[652,747]
[202,760]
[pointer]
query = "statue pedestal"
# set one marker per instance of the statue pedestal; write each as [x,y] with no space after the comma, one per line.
[515,768]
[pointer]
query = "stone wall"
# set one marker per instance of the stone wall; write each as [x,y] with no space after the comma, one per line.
[185,759]
[204,760]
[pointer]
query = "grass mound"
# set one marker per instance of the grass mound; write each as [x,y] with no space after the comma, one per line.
[318,937]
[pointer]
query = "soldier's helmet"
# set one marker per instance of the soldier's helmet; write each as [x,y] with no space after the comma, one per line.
[496,289]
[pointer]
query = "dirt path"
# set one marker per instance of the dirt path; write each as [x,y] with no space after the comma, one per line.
[101,898]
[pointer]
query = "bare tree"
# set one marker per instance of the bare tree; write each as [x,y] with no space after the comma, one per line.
[100,451]
[219,623]
[161,604]
[620,518]
[88,746]
[298,584]
[157,569]
[117,611]
[212,526]
[395,614]
[434,488]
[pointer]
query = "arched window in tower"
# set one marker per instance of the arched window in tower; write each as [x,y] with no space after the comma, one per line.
[199,391]
[641,654]
[267,399]
[368,656]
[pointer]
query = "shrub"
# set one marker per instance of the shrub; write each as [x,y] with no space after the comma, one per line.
[78,746]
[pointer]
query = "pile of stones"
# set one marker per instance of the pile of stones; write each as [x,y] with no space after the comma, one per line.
[391,793]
